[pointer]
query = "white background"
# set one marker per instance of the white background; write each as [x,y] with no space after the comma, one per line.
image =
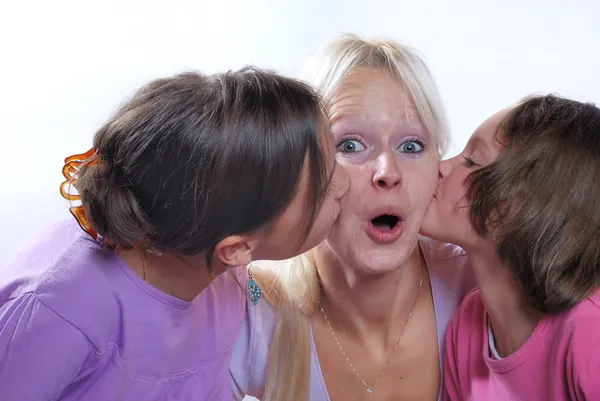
[66,65]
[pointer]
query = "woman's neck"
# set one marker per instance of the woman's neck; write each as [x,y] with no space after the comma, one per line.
[182,277]
[512,318]
[364,304]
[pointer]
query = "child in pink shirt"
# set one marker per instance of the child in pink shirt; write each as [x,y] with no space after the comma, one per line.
[522,200]
[559,361]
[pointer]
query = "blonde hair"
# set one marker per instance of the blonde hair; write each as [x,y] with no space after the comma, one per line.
[292,286]
[331,64]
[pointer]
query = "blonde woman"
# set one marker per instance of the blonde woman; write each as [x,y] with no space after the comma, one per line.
[363,315]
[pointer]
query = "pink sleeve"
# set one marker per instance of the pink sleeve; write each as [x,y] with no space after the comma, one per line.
[451,385]
[589,378]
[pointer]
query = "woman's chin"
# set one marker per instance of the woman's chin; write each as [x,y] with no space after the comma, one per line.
[378,261]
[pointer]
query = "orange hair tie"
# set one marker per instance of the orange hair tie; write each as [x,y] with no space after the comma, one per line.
[69,171]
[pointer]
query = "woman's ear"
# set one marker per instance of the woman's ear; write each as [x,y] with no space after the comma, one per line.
[236,250]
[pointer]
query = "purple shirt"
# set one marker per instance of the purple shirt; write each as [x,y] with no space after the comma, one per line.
[76,323]
[450,276]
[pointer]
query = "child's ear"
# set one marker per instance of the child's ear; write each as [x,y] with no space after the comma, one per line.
[235,250]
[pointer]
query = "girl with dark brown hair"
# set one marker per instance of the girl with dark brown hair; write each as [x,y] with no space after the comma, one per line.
[194,175]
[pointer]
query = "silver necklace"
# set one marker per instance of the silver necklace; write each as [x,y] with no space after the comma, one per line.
[367,387]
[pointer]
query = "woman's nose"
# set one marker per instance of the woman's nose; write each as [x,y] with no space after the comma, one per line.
[387,174]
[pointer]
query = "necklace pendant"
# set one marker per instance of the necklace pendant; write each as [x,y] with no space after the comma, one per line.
[370,390]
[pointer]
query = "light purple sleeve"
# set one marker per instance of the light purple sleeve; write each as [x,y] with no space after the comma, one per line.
[40,352]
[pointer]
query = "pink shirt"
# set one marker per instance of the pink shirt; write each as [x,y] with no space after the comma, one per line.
[560,361]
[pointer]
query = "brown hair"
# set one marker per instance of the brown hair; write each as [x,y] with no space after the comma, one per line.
[540,200]
[194,158]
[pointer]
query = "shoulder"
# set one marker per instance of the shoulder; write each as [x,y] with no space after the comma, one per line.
[594,302]
[450,271]
[576,336]
[471,307]
[26,316]
[582,322]
[69,274]
[37,257]
[468,321]
[580,328]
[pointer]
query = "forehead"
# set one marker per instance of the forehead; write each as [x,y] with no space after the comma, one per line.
[488,132]
[373,94]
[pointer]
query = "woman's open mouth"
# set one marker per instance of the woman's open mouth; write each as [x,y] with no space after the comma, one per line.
[385,228]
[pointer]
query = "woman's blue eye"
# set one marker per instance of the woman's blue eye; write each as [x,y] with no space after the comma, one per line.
[411,147]
[350,146]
